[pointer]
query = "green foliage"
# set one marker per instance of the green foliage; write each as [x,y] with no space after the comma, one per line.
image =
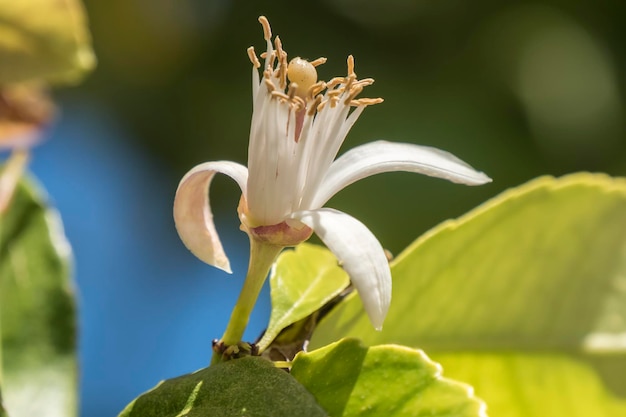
[524,298]
[250,387]
[302,281]
[349,379]
[529,384]
[43,40]
[37,312]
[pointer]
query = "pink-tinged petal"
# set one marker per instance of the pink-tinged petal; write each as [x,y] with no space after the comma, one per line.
[192,210]
[360,254]
[382,156]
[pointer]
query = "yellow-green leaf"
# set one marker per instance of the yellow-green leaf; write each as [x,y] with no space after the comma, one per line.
[302,281]
[43,40]
[540,268]
[349,379]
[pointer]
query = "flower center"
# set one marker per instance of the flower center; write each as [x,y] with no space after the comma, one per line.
[304,94]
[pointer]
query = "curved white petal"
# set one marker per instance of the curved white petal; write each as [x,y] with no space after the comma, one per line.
[192,210]
[360,254]
[382,156]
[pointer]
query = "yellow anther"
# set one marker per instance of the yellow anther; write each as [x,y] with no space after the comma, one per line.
[349,82]
[364,82]
[335,82]
[366,102]
[280,95]
[253,57]
[281,55]
[315,106]
[269,84]
[267,30]
[303,73]
[317,88]
[298,103]
[319,61]
[355,91]
[351,66]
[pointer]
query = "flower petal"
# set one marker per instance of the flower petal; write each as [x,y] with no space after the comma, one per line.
[192,210]
[382,156]
[360,254]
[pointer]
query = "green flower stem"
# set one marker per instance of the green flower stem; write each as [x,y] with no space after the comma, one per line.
[262,256]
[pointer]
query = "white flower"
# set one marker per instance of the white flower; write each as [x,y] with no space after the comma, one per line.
[298,126]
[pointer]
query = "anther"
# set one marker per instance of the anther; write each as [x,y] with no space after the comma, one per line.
[316,88]
[350,81]
[267,30]
[319,61]
[364,82]
[298,104]
[253,57]
[315,106]
[355,91]
[336,91]
[269,84]
[281,55]
[335,82]
[280,95]
[303,74]
[351,66]
[366,102]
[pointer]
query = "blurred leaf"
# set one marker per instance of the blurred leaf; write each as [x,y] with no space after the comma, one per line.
[11,173]
[349,379]
[24,111]
[533,384]
[541,268]
[44,40]
[248,387]
[37,312]
[302,281]
[2,411]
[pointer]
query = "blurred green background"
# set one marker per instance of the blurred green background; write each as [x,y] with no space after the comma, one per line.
[517,89]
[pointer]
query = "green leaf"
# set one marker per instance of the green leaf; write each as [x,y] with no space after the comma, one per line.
[349,379]
[537,384]
[44,40]
[37,312]
[540,268]
[302,281]
[248,387]
[3,413]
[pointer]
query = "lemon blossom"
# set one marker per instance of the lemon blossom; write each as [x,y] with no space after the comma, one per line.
[298,127]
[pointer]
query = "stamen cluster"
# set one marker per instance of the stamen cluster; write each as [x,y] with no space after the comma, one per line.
[316,95]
